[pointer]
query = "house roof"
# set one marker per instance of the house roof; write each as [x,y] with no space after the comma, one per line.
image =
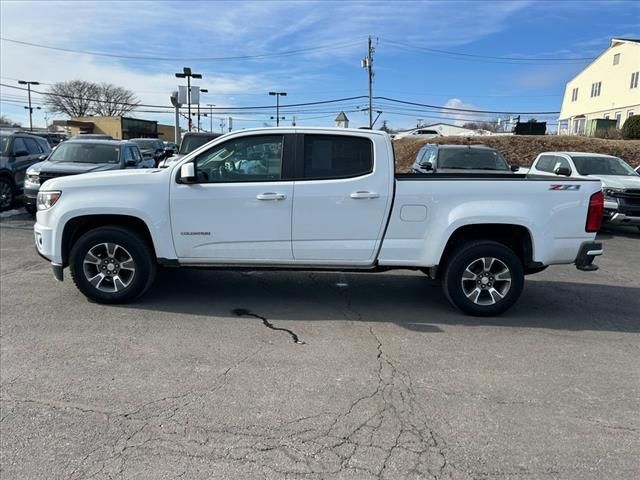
[446,124]
[342,117]
[624,40]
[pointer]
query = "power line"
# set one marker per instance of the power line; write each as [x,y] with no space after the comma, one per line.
[436,107]
[499,59]
[186,59]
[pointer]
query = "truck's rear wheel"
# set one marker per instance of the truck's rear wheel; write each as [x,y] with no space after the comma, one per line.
[111,265]
[483,278]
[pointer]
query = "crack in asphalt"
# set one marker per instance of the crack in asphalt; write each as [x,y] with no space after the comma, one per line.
[243,312]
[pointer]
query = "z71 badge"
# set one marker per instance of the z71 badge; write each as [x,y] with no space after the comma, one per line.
[560,186]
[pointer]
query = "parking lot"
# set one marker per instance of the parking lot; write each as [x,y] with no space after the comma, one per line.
[318,375]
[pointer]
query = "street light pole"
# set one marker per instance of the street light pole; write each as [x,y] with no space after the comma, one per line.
[186,73]
[278,95]
[202,90]
[28,84]
[211,105]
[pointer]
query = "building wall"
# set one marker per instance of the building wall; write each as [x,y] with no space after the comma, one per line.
[616,96]
[166,133]
[105,125]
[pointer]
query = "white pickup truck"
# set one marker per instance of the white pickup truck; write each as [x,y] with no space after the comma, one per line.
[311,198]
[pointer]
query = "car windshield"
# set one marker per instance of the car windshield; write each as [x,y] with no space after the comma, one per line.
[471,159]
[77,152]
[602,166]
[4,143]
[146,144]
[191,142]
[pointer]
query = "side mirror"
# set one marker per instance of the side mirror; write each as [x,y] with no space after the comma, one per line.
[515,168]
[188,172]
[43,157]
[21,153]
[565,171]
[427,166]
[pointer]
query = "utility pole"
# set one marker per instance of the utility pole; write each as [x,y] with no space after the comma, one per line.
[278,95]
[176,103]
[367,63]
[28,84]
[186,73]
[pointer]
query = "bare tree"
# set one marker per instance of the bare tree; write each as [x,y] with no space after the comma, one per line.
[74,97]
[7,122]
[79,98]
[114,101]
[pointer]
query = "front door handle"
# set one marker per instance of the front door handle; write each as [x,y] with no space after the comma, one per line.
[364,194]
[271,196]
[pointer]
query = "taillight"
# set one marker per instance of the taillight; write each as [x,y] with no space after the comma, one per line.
[596,210]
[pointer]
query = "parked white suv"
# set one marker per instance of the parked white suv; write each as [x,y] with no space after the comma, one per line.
[620,183]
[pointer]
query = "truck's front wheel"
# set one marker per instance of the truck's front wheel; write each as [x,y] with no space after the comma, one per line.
[111,265]
[483,278]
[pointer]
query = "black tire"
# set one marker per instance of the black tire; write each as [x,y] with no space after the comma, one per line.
[31,209]
[495,296]
[7,194]
[131,246]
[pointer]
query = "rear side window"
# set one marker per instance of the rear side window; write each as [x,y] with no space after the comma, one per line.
[19,145]
[336,156]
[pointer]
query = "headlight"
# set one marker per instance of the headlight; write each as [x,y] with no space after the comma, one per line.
[32,179]
[46,200]
[612,192]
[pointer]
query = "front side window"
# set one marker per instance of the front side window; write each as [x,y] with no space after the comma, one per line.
[337,156]
[248,159]
[128,155]
[32,146]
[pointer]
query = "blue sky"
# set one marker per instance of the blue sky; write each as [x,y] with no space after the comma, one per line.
[550,37]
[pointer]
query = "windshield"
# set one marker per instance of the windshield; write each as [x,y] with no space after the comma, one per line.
[471,159]
[145,144]
[602,166]
[191,142]
[76,152]
[4,144]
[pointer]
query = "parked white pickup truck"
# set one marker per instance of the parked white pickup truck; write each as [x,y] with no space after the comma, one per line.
[620,183]
[303,198]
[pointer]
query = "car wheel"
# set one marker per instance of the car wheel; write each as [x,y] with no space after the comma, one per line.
[31,209]
[483,278]
[7,193]
[112,265]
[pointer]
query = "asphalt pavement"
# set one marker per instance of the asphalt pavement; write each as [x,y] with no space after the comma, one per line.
[279,375]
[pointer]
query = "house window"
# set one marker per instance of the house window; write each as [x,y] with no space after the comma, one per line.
[634,80]
[630,113]
[607,116]
[618,119]
[595,89]
[616,59]
[574,95]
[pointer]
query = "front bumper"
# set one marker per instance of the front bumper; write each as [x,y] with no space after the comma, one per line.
[30,196]
[588,252]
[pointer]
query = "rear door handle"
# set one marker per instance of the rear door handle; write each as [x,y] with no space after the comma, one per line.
[364,194]
[271,196]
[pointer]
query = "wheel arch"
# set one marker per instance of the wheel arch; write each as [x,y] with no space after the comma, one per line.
[517,237]
[75,227]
